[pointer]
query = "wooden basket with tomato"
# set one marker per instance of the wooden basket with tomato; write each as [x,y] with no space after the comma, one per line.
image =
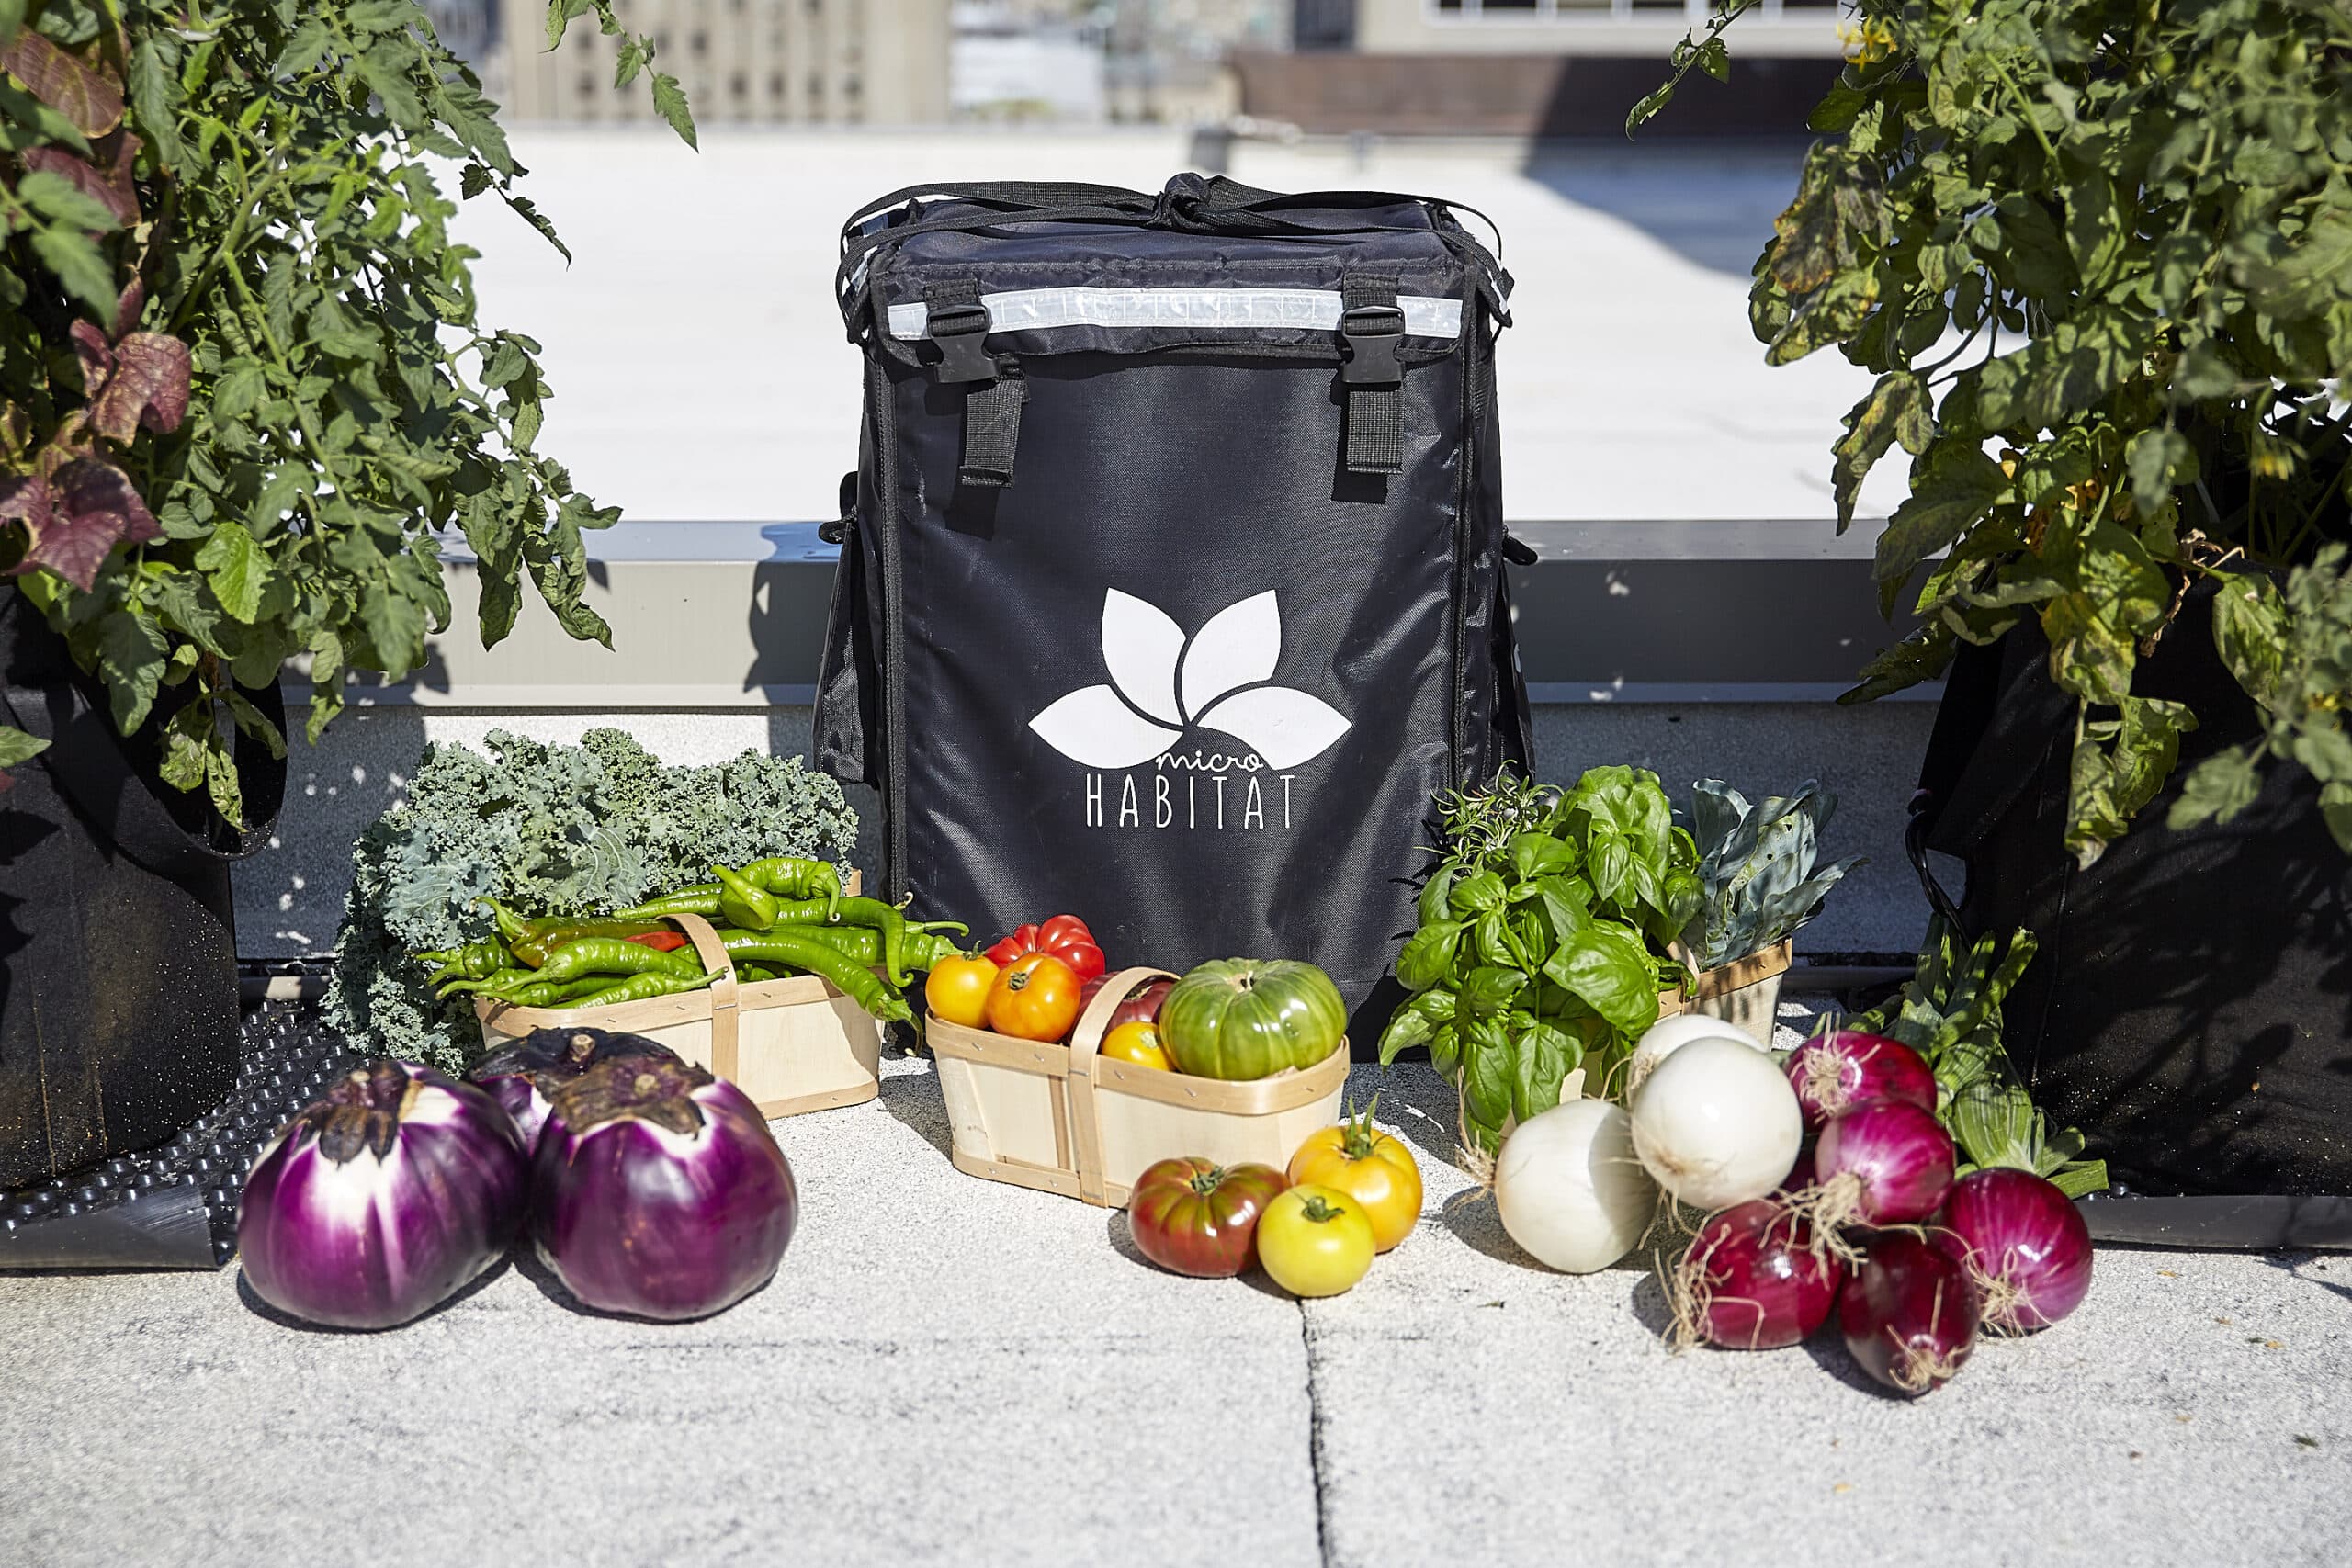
[1266,1042]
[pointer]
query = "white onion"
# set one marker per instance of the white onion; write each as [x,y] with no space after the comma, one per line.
[1717,1124]
[1570,1188]
[1667,1035]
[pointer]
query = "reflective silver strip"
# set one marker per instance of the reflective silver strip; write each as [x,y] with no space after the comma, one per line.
[1024,309]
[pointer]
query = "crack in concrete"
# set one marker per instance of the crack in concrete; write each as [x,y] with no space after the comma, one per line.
[1315,1442]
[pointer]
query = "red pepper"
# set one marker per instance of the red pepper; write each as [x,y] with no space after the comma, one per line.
[1064,936]
[659,942]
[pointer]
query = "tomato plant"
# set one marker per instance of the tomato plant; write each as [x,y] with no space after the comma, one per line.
[1193,1216]
[1375,1169]
[958,990]
[1034,997]
[1315,1241]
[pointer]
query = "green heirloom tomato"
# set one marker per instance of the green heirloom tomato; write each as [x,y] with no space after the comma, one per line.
[1251,1018]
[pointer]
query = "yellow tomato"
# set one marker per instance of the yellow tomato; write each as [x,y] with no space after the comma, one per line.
[1369,1166]
[1137,1041]
[1313,1241]
[958,990]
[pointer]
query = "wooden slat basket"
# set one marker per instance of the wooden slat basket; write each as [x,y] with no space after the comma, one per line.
[792,1046]
[1064,1119]
[1745,993]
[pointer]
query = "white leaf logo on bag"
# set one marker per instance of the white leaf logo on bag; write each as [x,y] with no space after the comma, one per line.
[1163,683]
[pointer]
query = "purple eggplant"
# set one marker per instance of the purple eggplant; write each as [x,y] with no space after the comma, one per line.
[657,1191]
[382,1199]
[522,1074]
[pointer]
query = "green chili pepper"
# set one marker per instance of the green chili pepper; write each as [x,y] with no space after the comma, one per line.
[862,943]
[504,979]
[787,877]
[752,974]
[554,993]
[510,925]
[644,987]
[535,948]
[701,898]
[474,961]
[613,955]
[855,980]
[743,903]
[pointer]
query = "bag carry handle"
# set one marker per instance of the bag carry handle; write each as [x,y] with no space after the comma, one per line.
[1188,203]
[91,765]
[1085,1041]
[725,1057]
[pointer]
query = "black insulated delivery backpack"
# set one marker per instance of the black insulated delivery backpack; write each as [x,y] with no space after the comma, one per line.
[1171,588]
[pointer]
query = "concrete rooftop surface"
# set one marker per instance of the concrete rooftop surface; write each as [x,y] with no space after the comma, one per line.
[701,370]
[953,1370]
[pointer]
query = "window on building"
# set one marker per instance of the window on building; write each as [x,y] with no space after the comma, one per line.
[699,42]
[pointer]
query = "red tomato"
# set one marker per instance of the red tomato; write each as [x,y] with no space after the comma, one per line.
[1064,936]
[1193,1216]
[1143,1006]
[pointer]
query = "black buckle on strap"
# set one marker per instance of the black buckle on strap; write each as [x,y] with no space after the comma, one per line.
[1371,334]
[961,332]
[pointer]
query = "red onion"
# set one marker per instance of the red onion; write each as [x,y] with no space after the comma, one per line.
[658,1191]
[379,1201]
[1753,1280]
[1833,1073]
[1908,1315]
[1888,1163]
[522,1074]
[2024,1243]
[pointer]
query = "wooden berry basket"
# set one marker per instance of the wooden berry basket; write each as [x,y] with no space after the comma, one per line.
[792,1046]
[1745,993]
[1064,1119]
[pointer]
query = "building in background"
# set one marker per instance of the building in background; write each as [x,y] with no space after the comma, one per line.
[467,28]
[1028,60]
[1533,68]
[760,62]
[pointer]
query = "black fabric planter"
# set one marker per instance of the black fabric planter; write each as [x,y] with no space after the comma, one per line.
[118,947]
[2190,1008]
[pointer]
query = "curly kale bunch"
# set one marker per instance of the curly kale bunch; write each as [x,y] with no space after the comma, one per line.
[548,830]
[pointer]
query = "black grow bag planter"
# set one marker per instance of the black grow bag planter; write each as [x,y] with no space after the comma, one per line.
[2190,1007]
[117,949]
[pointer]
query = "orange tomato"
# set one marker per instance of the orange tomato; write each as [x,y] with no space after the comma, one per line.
[1369,1166]
[1034,998]
[1137,1041]
[958,990]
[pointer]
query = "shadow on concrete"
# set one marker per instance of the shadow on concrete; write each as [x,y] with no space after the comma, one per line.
[527,1264]
[1712,202]
[913,1099]
[1123,1242]
[480,1282]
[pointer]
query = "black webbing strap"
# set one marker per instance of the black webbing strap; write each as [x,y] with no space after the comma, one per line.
[995,388]
[1371,326]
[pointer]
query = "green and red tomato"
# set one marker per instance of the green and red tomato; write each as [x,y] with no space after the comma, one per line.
[1194,1216]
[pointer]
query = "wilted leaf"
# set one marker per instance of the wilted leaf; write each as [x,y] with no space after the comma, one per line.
[88,97]
[147,386]
[1896,408]
[75,517]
